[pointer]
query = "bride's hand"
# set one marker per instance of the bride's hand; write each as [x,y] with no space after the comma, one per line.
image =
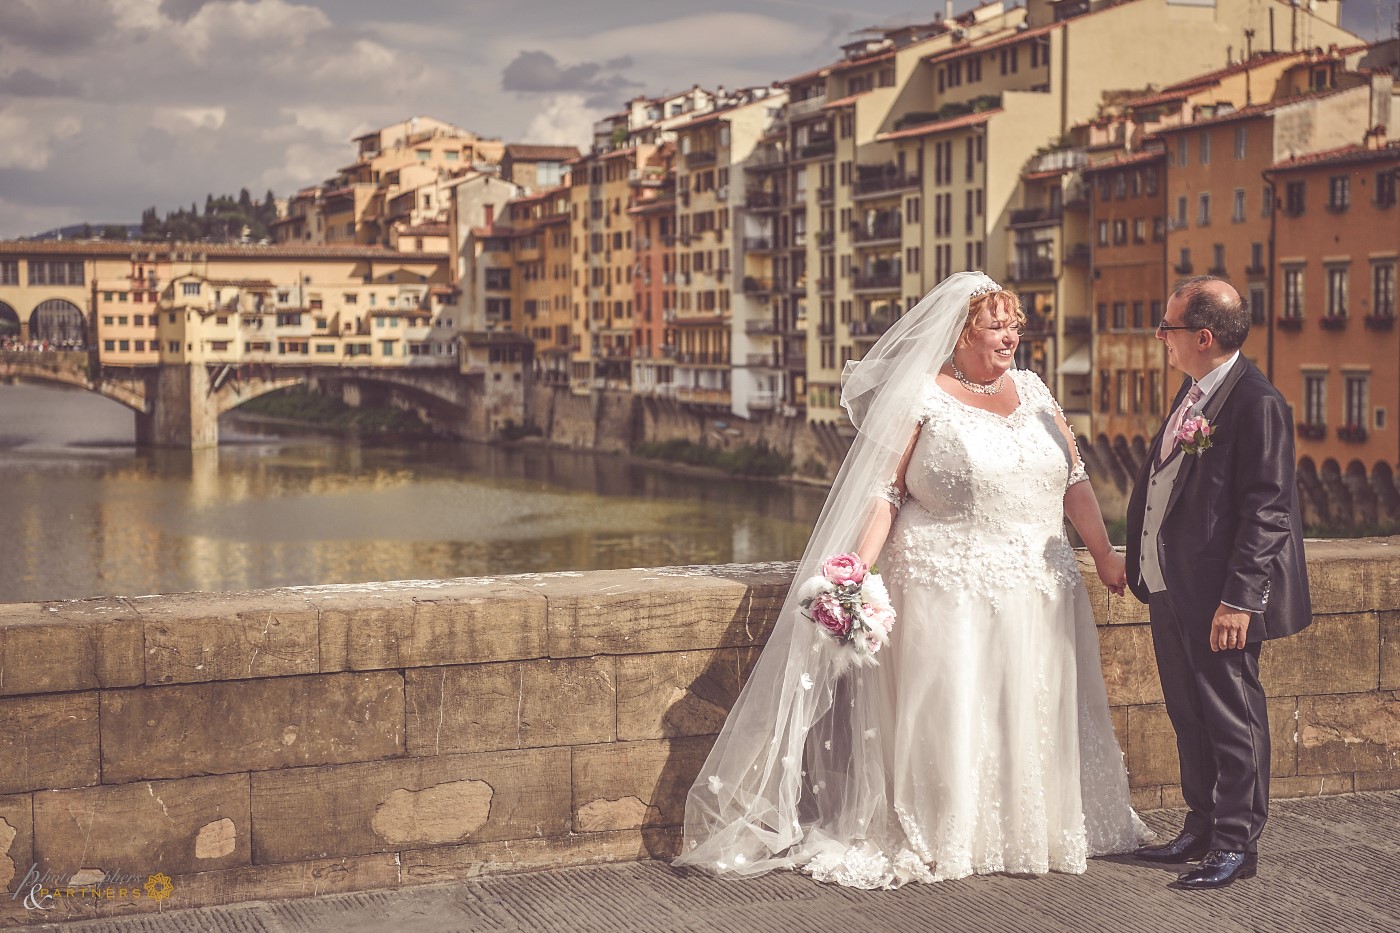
[1113,571]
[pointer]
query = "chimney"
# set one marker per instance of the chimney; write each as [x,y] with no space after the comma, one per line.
[948,10]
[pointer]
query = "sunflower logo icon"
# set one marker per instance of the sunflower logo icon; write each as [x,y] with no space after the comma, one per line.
[159,887]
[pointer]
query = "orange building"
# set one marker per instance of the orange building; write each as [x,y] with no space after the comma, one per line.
[1336,350]
[654,280]
[538,227]
[1127,223]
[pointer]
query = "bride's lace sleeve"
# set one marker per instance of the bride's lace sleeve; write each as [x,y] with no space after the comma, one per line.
[1077,472]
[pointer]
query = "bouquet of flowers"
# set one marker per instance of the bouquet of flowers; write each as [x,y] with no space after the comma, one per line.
[1194,434]
[849,602]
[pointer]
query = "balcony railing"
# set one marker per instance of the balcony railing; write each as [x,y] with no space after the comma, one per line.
[1080,324]
[761,361]
[1333,321]
[1026,270]
[826,238]
[821,146]
[703,157]
[1077,255]
[825,194]
[1351,433]
[880,230]
[1380,321]
[1035,215]
[873,327]
[884,181]
[753,285]
[800,108]
[1289,322]
[878,279]
[754,244]
[763,401]
[826,285]
[698,396]
[760,326]
[762,200]
[763,158]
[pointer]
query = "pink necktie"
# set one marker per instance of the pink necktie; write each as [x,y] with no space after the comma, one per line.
[1169,441]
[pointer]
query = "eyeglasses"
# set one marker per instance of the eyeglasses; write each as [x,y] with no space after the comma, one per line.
[1163,327]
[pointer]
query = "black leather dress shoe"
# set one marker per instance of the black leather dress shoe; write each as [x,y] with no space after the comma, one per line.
[1184,848]
[1218,869]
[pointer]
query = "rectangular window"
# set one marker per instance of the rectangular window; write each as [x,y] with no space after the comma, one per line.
[189,288]
[9,271]
[1205,148]
[1203,210]
[1237,215]
[1120,315]
[1315,399]
[1357,401]
[1293,292]
[1183,152]
[1120,232]
[1105,381]
[1258,304]
[1337,291]
[1293,197]
[1103,233]
[1338,193]
[1181,212]
[1385,188]
[1241,139]
[1266,202]
[1383,289]
[1137,315]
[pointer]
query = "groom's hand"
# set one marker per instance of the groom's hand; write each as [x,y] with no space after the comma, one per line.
[1228,629]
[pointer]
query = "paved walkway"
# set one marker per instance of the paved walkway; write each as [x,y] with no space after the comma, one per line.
[1330,863]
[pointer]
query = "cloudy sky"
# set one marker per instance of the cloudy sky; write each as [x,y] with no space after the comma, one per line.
[110,106]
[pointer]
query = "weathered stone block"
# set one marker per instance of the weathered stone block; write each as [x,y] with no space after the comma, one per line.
[1336,654]
[1377,780]
[47,741]
[526,704]
[1319,786]
[1356,732]
[222,728]
[1129,665]
[1108,609]
[667,609]
[679,693]
[413,803]
[459,863]
[178,827]
[1354,575]
[1283,736]
[462,622]
[197,638]
[1146,798]
[1390,649]
[16,841]
[70,646]
[278,882]
[1151,750]
[632,785]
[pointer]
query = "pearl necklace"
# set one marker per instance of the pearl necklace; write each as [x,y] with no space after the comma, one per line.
[977,388]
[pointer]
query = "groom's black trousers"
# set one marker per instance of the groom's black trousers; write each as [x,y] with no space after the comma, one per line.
[1217,707]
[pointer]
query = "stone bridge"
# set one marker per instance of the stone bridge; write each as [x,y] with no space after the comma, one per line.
[180,405]
[346,738]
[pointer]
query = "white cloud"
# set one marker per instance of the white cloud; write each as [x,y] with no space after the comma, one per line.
[274,21]
[724,37]
[563,119]
[184,119]
[28,136]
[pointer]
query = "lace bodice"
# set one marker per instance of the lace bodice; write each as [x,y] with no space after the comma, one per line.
[985,496]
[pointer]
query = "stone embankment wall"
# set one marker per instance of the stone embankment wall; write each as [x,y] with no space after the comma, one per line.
[314,740]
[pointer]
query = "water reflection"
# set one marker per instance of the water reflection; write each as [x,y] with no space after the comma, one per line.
[85,513]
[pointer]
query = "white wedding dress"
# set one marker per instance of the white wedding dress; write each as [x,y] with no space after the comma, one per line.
[1001,750]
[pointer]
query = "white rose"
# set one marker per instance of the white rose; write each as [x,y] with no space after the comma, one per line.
[873,592]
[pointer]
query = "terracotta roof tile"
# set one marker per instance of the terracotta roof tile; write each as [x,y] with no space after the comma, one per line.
[532,152]
[940,126]
[1342,155]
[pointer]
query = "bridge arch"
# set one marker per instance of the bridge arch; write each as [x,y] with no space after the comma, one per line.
[9,321]
[58,321]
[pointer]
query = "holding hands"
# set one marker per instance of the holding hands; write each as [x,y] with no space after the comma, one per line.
[1113,571]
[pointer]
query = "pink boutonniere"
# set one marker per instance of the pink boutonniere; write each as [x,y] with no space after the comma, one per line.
[1194,434]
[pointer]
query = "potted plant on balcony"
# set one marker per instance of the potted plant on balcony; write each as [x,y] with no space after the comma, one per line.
[1352,433]
[1311,431]
[1380,321]
[1289,322]
[1333,321]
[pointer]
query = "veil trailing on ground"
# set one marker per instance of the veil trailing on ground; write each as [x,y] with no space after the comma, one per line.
[801,768]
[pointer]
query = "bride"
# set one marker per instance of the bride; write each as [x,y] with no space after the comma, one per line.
[982,741]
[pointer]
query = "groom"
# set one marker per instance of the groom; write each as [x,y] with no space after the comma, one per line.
[1215,549]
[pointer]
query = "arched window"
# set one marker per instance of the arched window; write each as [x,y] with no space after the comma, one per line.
[59,322]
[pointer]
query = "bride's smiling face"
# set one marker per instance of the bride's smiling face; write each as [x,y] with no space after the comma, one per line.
[989,345]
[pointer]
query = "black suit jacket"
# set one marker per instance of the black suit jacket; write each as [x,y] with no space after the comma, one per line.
[1233,531]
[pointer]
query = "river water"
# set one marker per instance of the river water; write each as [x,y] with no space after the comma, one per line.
[85,513]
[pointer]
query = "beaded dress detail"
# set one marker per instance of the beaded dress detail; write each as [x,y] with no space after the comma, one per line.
[1003,755]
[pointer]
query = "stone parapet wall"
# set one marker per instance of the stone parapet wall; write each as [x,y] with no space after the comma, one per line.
[316,740]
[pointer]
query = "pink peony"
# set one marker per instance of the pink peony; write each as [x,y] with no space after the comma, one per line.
[843,568]
[881,619]
[1191,426]
[827,612]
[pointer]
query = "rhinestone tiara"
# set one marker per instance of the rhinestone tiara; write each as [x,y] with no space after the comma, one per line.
[986,288]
